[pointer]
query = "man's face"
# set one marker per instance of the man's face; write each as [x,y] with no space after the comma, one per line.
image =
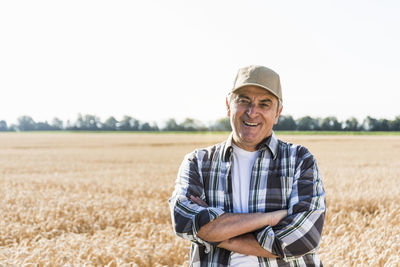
[253,112]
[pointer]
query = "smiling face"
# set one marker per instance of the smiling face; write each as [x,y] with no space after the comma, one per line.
[253,111]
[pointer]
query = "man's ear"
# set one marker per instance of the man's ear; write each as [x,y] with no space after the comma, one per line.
[228,108]
[277,115]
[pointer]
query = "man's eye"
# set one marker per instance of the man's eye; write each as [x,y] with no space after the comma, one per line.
[243,101]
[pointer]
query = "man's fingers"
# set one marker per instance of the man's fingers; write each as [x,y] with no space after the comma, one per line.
[198,201]
[193,198]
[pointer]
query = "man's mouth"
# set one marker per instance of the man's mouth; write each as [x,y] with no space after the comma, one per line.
[251,124]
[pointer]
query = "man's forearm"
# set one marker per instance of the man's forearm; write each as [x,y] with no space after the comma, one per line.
[230,225]
[247,245]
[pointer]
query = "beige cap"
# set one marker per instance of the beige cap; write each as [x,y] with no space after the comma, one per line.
[259,76]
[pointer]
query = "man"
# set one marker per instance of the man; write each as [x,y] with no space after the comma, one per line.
[252,200]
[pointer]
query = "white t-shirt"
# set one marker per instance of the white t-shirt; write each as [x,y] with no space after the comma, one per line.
[242,166]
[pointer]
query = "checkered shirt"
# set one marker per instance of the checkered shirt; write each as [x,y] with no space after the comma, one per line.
[284,176]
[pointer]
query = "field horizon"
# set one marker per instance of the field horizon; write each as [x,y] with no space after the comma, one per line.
[279,132]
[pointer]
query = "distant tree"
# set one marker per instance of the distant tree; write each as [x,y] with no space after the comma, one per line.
[383,124]
[223,124]
[69,125]
[286,123]
[13,127]
[394,125]
[88,122]
[43,126]
[371,124]
[129,124]
[154,126]
[190,124]
[307,124]
[111,124]
[146,127]
[3,126]
[79,124]
[57,124]
[351,124]
[330,124]
[172,125]
[149,127]
[26,123]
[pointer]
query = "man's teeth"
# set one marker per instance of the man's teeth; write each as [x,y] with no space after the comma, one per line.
[250,123]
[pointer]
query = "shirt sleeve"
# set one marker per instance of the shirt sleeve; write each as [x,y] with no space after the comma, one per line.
[187,216]
[300,232]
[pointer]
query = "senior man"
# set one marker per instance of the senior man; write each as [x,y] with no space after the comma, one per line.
[252,200]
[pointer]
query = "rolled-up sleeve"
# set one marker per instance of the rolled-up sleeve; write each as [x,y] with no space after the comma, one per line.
[187,216]
[300,232]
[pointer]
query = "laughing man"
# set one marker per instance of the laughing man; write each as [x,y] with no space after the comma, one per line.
[252,200]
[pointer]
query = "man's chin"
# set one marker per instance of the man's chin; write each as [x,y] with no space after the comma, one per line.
[250,141]
[251,137]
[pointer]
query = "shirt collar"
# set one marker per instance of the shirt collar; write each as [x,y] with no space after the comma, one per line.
[270,143]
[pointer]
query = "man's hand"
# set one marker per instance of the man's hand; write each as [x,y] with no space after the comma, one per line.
[229,225]
[246,244]
[198,201]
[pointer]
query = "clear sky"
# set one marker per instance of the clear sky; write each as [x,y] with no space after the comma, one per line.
[159,59]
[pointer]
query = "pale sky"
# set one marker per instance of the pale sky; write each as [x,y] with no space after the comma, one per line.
[155,60]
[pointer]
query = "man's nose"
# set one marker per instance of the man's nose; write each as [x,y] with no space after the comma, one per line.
[251,110]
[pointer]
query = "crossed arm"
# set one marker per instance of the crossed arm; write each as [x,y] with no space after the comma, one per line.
[234,230]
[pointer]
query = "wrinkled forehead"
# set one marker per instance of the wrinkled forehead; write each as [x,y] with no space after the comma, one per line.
[253,92]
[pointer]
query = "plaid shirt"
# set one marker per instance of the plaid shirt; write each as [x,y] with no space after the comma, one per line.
[284,176]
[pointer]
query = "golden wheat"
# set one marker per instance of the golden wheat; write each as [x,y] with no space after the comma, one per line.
[101,199]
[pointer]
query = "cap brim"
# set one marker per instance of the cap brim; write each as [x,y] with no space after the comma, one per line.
[258,85]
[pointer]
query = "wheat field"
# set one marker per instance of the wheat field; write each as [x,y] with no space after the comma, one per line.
[100,199]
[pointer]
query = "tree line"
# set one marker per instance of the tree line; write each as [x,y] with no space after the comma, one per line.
[127,123]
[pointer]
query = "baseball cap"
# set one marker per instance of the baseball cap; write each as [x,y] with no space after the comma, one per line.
[259,76]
